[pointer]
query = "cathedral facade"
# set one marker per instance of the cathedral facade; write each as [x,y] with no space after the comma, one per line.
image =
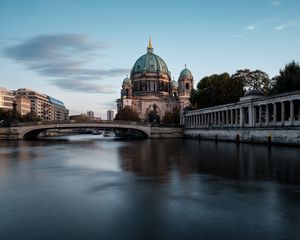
[150,91]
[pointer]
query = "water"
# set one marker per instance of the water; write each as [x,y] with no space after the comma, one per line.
[86,187]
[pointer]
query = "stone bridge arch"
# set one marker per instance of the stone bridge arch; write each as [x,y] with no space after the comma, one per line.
[29,132]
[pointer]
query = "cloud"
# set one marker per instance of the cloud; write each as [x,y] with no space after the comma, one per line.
[65,58]
[250,28]
[286,25]
[237,35]
[276,3]
[280,27]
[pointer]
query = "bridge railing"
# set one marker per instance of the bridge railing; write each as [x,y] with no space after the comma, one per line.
[24,124]
[117,122]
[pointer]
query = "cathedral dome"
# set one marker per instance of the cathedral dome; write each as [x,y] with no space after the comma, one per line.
[150,63]
[126,81]
[174,84]
[185,73]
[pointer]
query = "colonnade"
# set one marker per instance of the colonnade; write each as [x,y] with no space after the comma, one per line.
[259,112]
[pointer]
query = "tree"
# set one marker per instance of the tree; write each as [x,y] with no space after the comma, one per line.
[80,118]
[216,90]
[288,79]
[127,114]
[172,118]
[30,117]
[253,80]
[5,117]
[153,115]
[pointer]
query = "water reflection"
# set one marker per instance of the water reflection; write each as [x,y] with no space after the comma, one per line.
[84,187]
[241,162]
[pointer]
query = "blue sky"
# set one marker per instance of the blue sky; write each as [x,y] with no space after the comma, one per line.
[79,51]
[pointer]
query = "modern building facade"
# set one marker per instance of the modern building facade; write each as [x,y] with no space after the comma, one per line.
[39,103]
[149,89]
[110,115]
[90,114]
[43,106]
[58,110]
[23,105]
[6,99]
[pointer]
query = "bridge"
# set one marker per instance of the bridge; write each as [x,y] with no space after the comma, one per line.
[121,128]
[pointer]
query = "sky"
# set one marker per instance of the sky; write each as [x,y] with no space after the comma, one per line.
[79,51]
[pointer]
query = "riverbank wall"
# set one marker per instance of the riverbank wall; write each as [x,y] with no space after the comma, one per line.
[282,136]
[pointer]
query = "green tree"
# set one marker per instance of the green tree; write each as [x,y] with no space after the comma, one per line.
[288,79]
[127,114]
[172,118]
[30,117]
[5,117]
[216,90]
[80,118]
[253,80]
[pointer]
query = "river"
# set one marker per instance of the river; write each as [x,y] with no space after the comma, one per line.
[89,187]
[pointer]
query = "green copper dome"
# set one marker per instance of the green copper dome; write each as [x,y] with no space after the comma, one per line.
[185,73]
[174,84]
[150,62]
[127,80]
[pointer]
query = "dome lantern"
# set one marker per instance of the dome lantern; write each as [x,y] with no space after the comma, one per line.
[150,48]
[150,63]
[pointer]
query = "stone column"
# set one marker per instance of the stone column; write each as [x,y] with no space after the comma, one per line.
[254,115]
[259,115]
[223,118]
[231,117]
[267,115]
[215,118]
[227,117]
[206,119]
[236,117]
[250,115]
[241,117]
[282,113]
[274,114]
[292,115]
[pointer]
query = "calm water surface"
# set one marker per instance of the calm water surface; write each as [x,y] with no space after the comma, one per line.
[86,187]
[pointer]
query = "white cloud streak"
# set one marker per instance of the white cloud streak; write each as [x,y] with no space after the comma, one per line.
[64,58]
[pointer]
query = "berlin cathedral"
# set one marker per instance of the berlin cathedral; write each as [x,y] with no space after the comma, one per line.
[149,89]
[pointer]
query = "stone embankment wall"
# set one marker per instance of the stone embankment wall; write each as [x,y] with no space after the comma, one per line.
[6,133]
[287,136]
[164,132]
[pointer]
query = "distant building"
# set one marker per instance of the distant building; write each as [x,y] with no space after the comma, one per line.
[58,110]
[110,115]
[23,104]
[39,103]
[6,99]
[149,89]
[43,106]
[90,114]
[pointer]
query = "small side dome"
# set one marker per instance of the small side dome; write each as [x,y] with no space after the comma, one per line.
[254,92]
[185,73]
[127,81]
[174,84]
